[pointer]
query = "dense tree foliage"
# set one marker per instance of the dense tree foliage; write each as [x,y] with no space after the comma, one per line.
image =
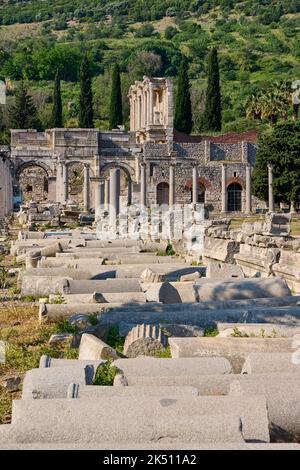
[116,111]
[212,118]
[23,113]
[183,107]
[57,120]
[281,148]
[258,44]
[86,119]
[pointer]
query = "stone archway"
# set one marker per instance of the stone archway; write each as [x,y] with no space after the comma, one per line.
[33,182]
[75,171]
[234,197]
[162,193]
[126,180]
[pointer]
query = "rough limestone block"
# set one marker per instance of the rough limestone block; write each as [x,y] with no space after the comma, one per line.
[234,349]
[148,275]
[92,349]
[282,401]
[47,361]
[144,340]
[169,367]
[223,271]
[59,338]
[261,362]
[71,273]
[53,312]
[190,277]
[220,249]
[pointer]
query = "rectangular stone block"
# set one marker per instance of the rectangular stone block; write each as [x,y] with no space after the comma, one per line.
[234,349]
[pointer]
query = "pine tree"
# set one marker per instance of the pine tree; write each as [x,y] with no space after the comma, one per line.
[115,111]
[183,121]
[57,120]
[23,113]
[212,118]
[86,96]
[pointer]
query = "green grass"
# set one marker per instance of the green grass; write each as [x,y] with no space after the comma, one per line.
[115,340]
[166,353]
[210,332]
[105,374]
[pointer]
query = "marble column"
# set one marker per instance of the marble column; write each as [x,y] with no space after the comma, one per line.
[114,195]
[270,182]
[99,194]
[248,190]
[106,194]
[151,105]
[86,188]
[59,171]
[143,185]
[172,185]
[195,185]
[64,183]
[137,170]
[224,189]
[293,208]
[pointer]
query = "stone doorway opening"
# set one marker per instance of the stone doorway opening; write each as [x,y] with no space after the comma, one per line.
[33,184]
[234,197]
[162,193]
[75,182]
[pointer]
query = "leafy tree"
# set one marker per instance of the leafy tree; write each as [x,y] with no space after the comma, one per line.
[212,118]
[183,120]
[281,149]
[57,120]
[270,105]
[86,95]
[116,111]
[23,113]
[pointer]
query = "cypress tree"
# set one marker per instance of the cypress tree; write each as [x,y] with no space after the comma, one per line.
[115,111]
[212,118]
[86,96]
[23,113]
[183,120]
[57,120]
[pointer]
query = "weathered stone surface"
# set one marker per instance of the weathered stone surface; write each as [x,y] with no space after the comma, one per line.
[256,329]
[80,321]
[170,367]
[282,401]
[104,425]
[43,285]
[220,250]
[252,411]
[11,384]
[150,276]
[108,286]
[170,293]
[144,340]
[58,272]
[53,382]
[190,277]
[59,338]
[223,271]
[276,362]
[234,349]
[53,312]
[94,391]
[92,349]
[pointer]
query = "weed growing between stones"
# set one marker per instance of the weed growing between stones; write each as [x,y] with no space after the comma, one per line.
[210,331]
[166,353]
[105,374]
[169,251]
[93,319]
[59,299]
[115,340]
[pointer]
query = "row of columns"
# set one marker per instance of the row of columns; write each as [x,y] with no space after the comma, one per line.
[141,108]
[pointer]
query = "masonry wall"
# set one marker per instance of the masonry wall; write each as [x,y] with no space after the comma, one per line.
[6,191]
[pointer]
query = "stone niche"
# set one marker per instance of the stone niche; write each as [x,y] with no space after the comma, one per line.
[34,184]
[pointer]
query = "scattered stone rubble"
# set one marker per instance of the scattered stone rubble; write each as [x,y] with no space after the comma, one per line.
[239,389]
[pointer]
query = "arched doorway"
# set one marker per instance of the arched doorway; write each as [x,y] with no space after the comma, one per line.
[162,193]
[126,183]
[200,194]
[75,182]
[234,197]
[33,183]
